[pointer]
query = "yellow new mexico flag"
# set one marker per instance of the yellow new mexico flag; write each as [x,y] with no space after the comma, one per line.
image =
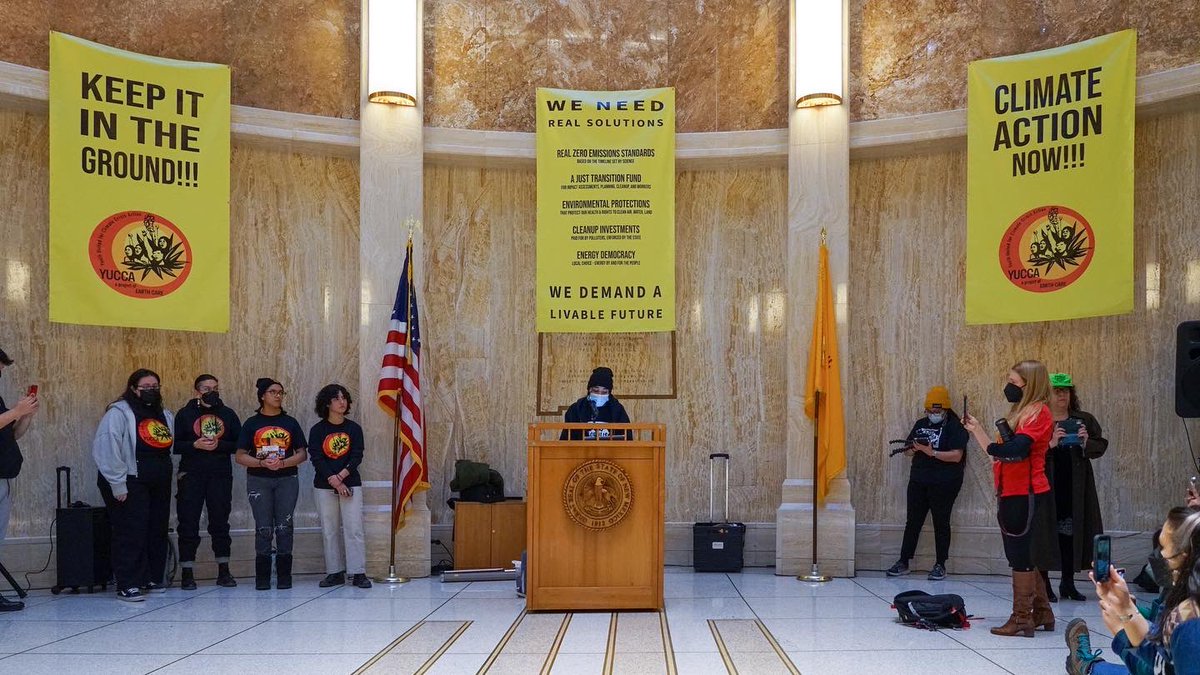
[824,382]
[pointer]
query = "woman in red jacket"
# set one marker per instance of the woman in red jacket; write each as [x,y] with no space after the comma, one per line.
[1025,503]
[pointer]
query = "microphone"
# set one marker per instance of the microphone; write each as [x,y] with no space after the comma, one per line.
[595,410]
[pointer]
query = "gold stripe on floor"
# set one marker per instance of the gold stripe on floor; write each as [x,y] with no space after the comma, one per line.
[383,652]
[442,650]
[716,633]
[558,639]
[668,648]
[787,661]
[610,652]
[500,647]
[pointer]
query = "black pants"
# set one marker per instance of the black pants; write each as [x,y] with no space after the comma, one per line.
[923,498]
[140,523]
[1019,527]
[204,490]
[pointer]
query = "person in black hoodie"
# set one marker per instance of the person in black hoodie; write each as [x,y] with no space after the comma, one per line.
[337,451]
[599,406]
[271,446]
[939,444]
[206,433]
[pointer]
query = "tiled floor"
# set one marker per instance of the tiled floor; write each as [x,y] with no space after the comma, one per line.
[746,623]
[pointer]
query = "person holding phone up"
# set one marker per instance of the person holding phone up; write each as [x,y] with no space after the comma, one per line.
[13,425]
[1077,440]
[1025,508]
[1165,636]
[337,451]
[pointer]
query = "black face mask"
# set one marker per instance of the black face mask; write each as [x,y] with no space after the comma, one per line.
[211,399]
[1012,393]
[151,397]
[1160,569]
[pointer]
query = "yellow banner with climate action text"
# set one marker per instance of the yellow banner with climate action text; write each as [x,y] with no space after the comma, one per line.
[605,211]
[139,189]
[1050,183]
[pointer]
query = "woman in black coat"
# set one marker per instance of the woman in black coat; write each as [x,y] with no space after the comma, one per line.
[1069,469]
[599,406]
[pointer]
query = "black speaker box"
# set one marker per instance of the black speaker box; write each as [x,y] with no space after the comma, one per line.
[1187,369]
[84,542]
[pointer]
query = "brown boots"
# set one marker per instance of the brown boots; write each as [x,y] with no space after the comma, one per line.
[1043,616]
[1025,585]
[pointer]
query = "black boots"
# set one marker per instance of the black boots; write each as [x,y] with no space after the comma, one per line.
[187,581]
[361,581]
[262,572]
[283,571]
[335,579]
[224,578]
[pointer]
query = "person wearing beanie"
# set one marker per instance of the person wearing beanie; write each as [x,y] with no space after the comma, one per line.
[938,453]
[598,407]
[206,433]
[271,446]
[132,450]
[1077,440]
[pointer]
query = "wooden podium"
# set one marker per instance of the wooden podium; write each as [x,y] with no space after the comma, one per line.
[595,518]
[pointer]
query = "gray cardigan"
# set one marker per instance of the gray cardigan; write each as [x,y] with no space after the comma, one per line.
[115,445]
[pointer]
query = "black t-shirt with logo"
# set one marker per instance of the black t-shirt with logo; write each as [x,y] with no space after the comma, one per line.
[949,434]
[264,435]
[333,447]
[10,452]
[195,421]
[153,435]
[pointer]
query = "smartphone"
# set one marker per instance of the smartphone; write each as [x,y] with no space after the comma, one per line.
[1071,426]
[964,415]
[1101,556]
[32,390]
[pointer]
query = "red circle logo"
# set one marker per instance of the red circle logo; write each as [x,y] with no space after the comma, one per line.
[1047,249]
[154,433]
[140,254]
[336,445]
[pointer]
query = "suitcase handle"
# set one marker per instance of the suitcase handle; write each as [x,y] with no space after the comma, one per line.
[712,457]
[58,481]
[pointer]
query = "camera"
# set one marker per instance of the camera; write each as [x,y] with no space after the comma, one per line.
[1006,432]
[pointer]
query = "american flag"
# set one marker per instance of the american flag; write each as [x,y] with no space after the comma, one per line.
[400,380]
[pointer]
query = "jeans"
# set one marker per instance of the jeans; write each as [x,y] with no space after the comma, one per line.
[140,523]
[342,525]
[923,498]
[272,501]
[1108,668]
[198,490]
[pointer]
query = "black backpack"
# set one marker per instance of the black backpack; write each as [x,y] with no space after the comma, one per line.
[922,610]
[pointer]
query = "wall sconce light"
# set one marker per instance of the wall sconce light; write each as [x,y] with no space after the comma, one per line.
[819,52]
[393,41]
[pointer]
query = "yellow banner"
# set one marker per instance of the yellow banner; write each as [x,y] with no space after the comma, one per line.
[139,189]
[606,211]
[1050,183]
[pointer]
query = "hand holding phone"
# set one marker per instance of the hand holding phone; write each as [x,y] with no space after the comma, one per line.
[32,390]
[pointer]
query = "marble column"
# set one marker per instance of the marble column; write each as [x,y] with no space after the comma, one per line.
[818,197]
[390,199]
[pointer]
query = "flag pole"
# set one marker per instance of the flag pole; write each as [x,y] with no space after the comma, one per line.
[814,575]
[392,577]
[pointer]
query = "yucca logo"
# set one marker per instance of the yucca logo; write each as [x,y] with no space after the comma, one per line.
[1047,249]
[140,254]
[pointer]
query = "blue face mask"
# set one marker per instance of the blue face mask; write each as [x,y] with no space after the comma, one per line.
[598,399]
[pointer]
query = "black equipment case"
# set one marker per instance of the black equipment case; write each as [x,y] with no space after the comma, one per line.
[83,541]
[718,546]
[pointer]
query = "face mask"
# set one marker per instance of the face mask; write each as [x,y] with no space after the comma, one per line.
[936,418]
[151,397]
[1012,393]
[598,399]
[211,399]
[1160,569]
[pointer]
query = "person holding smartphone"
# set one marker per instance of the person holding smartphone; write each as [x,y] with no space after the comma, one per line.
[1164,637]
[1076,440]
[939,445]
[13,425]
[271,446]
[337,452]
[1025,508]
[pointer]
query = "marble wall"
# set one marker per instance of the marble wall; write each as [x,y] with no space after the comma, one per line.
[907,332]
[295,312]
[484,58]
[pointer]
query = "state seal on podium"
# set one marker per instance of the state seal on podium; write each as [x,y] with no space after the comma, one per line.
[598,494]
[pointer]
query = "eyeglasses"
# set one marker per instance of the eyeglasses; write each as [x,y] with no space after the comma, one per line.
[277,392]
[150,388]
[205,390]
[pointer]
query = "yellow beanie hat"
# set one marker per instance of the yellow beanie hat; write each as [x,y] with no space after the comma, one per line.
[938,395]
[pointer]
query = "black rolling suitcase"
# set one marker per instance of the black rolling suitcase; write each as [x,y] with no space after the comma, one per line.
[718,546]
[83,542]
